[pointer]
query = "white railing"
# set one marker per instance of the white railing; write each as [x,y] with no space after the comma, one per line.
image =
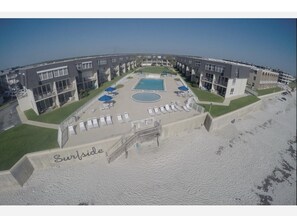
[129,140]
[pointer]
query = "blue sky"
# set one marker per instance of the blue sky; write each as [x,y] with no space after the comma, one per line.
[268,42]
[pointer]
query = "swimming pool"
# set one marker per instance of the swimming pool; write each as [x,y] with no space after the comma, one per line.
[146,97]
[150,84]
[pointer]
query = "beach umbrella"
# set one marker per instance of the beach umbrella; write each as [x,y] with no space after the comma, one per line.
[183,88]
[105,98]
[110,89]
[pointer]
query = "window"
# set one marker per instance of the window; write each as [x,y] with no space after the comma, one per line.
[197,64]
[50,73]
[232,91]
[103,62]
[255,77]
[56,73]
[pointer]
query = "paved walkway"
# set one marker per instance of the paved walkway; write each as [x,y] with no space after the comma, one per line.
[24,120]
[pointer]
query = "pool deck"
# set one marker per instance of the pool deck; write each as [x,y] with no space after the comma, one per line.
[136,110]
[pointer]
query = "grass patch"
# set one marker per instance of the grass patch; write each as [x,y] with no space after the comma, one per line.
[206,95]
[157,70]
[23,139]
[202,94]
[216,110]
[268,91]
[60,114]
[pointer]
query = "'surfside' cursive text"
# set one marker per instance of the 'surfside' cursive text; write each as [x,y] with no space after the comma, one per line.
[58,158]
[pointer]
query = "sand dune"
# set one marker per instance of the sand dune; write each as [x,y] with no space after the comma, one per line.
[252,161]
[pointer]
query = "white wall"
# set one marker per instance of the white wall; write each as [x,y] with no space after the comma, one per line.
[224,120]
[28,102]
[239,87]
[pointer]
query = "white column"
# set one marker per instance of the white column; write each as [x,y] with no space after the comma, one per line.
[213,81]
[76,91]
[56,93]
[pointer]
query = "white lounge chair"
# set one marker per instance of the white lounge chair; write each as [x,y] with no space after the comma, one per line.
[186,109]
[178,106]
[188,106]
[127,117]
[150,111]
[163,110]
[89,124]
[108,120]
[95,122]
[102,121]
[173,107]
[120,119]
[82,126]
[157,111]
[71,130]
[168,108]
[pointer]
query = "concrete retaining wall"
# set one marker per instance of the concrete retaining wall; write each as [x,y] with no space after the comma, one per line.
[7,180]
[52,158]
[222,121]
[183,126]
[24,168]
[271,95]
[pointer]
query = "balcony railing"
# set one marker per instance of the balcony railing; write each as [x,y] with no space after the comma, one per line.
[207,79]
[43,96]
[85,80]
[223,84]
[65,89]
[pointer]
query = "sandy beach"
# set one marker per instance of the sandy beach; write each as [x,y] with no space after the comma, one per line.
[250,162]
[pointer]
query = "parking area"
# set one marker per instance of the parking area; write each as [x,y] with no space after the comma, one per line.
[9,116]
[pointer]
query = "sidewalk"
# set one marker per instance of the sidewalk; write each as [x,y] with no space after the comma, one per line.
[24,120]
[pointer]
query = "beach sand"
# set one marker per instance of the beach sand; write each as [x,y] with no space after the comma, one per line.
[252,161]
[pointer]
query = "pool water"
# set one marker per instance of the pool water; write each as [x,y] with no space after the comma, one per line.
[146,97]
[150,84]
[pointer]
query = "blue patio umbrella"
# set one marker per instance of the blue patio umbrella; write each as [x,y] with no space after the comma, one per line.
[183,88]
[105,98]
[110,89]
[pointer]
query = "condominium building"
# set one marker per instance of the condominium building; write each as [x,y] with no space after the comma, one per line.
[225,78]
[157,60]
[9,80]
[53,84]
[262,78]
[285,77]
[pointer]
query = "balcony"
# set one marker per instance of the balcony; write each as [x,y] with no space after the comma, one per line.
[39,97]
[86,79]
[206,79]
[65,89]
[222,84]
